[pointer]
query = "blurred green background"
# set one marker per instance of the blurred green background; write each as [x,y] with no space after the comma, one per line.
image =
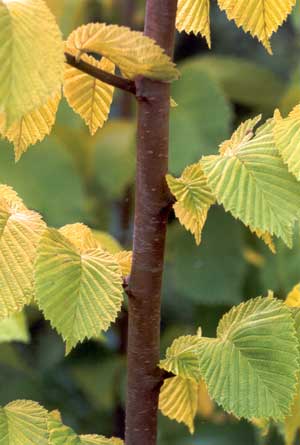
[73,177]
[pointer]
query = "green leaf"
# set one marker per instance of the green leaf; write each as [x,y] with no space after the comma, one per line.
[193,199]
[14,328]
[78,286]
[181,358]
[255,353]
[92,439]
[201,120]
[249,178]
[31,57]
[23,422]
[287,140]
[60,434]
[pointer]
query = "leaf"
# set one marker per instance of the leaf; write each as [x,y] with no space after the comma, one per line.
[134,53]
[292,422]
[92,439]
[179,400]
[87,96]
[202,120]
[193,16]
[194,198]
[181,358]
[31,57]
[20,232]
[251,181]
[287,139]
[23,422]
[293,298]
[78,287]
[14,328]
[64,435]
[259,17]
[124,260]
[32,127]
[60,434]
[255,353]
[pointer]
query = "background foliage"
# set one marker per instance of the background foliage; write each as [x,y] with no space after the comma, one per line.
[73,177]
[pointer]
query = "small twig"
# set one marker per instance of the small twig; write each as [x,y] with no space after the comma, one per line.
[111,79]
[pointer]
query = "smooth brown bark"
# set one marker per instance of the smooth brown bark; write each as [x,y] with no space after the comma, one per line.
[152,205]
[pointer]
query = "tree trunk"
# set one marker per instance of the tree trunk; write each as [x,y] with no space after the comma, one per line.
[152,204]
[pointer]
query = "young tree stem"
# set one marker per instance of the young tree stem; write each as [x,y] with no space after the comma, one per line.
[152,205]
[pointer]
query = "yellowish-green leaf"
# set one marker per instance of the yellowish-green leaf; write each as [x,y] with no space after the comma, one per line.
[181,358]
[92,439]
[251,181]
[20,232]
[60,434]
[134,53]
[32,127]
[287,139]
[193,199]
[293,298]
[89,97]
[193,16]
[14,328]
[78,286]
[31,57]
[23,422]
[179,400]
[255,353]
[259,17]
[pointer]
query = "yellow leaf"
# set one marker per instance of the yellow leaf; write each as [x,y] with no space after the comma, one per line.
[259,17]
[293,298]
[179,400]
[253,257]
[124,258]
[266,237]
[292,422]
[206,405]
[80,235]
[31,57]
[89,97]
[194,198]
[182,399]
[134,53]
[20,232]
[192,220]
[193,16]
[32,127]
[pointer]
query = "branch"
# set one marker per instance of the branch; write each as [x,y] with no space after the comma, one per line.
[111,79]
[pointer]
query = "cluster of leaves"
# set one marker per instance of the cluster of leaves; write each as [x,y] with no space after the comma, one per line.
[251,368]
[77,281]
[27,422]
